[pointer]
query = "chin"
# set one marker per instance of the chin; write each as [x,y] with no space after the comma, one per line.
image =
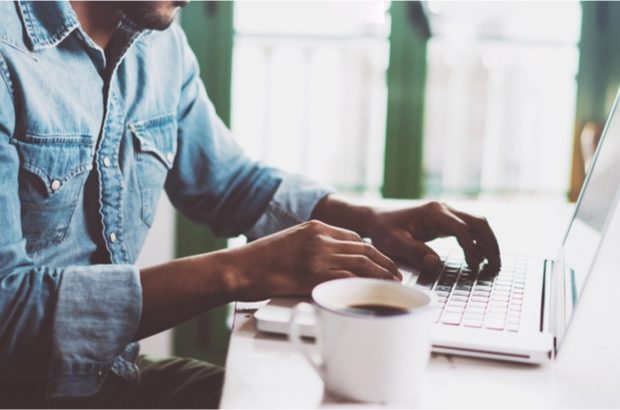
[154,15]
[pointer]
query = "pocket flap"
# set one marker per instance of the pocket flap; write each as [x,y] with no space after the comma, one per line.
[55,159]
[157,136]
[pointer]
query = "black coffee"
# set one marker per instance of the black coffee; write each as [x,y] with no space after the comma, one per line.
[375,310]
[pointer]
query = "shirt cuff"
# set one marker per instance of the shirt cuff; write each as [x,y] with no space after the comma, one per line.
[292,204]
[97,316]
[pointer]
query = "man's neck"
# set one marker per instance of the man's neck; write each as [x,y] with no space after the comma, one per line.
[99,19]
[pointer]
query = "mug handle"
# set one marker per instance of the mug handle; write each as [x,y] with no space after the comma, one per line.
[294,336]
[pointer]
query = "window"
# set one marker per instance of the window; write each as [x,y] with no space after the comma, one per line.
[309,91]
[500,99]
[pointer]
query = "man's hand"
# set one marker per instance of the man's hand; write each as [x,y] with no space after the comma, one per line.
[402,234]
[293,261]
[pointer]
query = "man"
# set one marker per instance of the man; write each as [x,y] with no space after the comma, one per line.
[101,107]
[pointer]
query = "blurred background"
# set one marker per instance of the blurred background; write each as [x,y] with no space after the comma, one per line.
[438,99]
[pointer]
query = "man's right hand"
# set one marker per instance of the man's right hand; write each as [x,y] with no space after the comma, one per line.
[293,261]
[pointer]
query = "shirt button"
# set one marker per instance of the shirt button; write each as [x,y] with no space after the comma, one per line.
[106,162]
[55,185]
[170,157]
[113,237]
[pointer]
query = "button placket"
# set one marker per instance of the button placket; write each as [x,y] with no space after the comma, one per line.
[111,181]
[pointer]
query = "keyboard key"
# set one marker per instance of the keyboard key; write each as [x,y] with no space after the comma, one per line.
[514,320]
[465,289]
[500,299]
[443,288]
[498,309]
[458,303]
[477,305]
[512,327]
[495,315]
[517,296]
[494,324]
[459,298]
[480,299]
[451,318]
[453,312]
[448,311]
[477,309]
[472,322]
[475,313]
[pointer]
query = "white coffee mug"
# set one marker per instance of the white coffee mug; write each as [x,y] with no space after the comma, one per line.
[364,357]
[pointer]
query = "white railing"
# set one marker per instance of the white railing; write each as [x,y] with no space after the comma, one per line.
[314,102]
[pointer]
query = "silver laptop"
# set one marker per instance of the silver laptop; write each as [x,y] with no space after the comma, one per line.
[521,313]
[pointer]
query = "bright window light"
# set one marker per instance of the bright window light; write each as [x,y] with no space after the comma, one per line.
[500,101]
[309,89]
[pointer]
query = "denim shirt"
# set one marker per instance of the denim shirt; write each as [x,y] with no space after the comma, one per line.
[87,144]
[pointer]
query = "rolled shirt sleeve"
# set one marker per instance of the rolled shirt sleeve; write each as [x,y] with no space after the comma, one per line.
[97,315]
[292,203]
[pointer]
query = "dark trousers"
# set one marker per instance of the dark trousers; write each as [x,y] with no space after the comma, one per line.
[168,383]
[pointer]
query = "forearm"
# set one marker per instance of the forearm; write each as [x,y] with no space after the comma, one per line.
[178,290]
[337,211]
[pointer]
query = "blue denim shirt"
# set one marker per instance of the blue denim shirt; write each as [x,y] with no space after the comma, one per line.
[87,144]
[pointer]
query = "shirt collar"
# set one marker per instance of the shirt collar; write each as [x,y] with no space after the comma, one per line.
[47,23]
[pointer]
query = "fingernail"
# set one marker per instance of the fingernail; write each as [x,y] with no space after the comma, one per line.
[430,261]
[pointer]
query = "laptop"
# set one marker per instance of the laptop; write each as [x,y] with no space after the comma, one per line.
[521,313]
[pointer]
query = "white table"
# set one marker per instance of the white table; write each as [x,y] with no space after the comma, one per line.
[265,371]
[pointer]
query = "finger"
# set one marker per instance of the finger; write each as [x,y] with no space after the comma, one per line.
[484,236]
[361,265]
[414,253]
[337,274]
[451,224]
[333,231]
[363,248]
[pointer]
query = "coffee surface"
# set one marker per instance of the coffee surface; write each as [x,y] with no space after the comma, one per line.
[375,310]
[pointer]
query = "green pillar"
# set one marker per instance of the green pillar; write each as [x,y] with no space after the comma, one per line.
[209,30]
[406,89]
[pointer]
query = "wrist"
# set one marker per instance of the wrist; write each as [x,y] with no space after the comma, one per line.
[240,276]
[230,271]
[339,212]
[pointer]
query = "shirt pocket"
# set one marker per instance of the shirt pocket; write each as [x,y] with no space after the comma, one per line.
[53,170]
[155,145]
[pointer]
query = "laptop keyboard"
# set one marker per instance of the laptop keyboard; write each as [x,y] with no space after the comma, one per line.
[478,300]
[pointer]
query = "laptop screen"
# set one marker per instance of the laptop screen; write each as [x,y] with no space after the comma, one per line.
[593,207]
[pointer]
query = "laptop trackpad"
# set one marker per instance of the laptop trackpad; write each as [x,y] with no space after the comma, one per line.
[274,317]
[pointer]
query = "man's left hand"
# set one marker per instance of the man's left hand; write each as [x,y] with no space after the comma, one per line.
[402,234]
